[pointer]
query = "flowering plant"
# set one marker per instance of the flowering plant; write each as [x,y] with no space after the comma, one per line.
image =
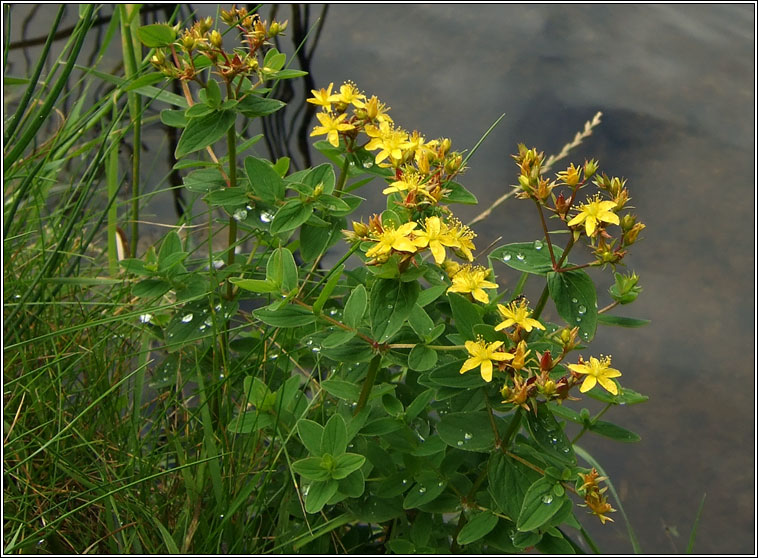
[415,401]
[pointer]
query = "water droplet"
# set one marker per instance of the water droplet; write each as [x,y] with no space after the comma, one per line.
[187,318]
[367,164]
[582,309]
[467,436]
[306,490]
[333,312]
[208,322]
[240,214]
[218,264]
[145,318]
[266,217]
[547,498]
[221,377]
[538,245]
[460,442]
[574,300]
[217,307]
[507,258]
[221,516]
[202,327]
[316,349]
[578,319]
[421,490]
[405,481]
[440,483]
[273,356]
[520,257]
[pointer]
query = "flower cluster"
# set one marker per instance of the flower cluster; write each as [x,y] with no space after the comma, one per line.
[594,496]
[594,216]
[418,179]
[180,60]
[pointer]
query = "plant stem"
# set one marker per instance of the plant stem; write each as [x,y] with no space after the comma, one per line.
[231,141]
[592,421]
[368,383]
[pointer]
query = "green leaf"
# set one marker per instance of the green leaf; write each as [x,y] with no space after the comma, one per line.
[390,304]
[167,263]
[213,93]
[228,198]
[419,404]
[337,338]
[546,431]
[255,285]
[327,290]
[310,433]
[204,131]
[355,350]
[197,110]
[509,481]
[575,299]
[156,35]
[286,316]
[288,74]
[621,321]
[428,486]
[319,493]
[531,257]
[323,175]
[555,545]
[470,431]
[281,269]
[613,431]
[314,241]
[253,106]
[479,525]
[151,288]
[459,194]
[264,180]
[540,504]
[341,389]
[171,244]
[449,375]
[346,463]
[290,216]
[311,468]
[392,405]
[274,60]
[465,313]
[355,307]
[250,421]
[420,321]
[173,118]
[204,180]
[334,437]
[422,358]
[431,294]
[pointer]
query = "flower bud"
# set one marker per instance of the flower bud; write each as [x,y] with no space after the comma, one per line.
[630,237]
[627,222]
[590,168]
[546,362]
[561,205]
[204,25]
[216,39]
[453,163]
[277,28]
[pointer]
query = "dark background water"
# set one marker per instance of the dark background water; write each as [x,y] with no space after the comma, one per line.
[676,85]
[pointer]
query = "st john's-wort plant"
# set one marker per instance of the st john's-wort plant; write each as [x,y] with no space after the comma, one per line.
[406,398]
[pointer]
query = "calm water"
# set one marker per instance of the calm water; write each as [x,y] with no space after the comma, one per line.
[676,87]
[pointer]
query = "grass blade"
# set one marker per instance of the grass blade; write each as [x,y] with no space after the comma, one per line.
[691,543]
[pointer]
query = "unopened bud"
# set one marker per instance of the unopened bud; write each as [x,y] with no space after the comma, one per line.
[627,222]
[216,39]
[630,237]
[590,168]
[546,362]
[453,163]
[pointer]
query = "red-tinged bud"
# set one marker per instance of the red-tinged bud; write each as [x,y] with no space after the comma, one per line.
[546,361]
[561,205]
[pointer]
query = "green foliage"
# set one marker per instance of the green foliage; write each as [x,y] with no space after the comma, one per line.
[290,403]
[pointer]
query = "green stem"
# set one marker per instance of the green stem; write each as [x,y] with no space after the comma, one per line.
[343,173]
[520,285]
[513,427]
[368,383]
[585,427]
[231,141]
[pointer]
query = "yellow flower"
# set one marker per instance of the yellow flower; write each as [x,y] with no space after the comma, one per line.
[463,236]
[331,127]
[570,176]
[598,371]
[409,181]
[436,236]
[593,212]
[517,313]
[389,141]
[394,239]
[376,110]
[519,357]
[472,279]
[349,94]
[323,98]
[482,354]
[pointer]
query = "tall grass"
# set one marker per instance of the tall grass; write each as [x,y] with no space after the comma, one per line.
[112,444]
